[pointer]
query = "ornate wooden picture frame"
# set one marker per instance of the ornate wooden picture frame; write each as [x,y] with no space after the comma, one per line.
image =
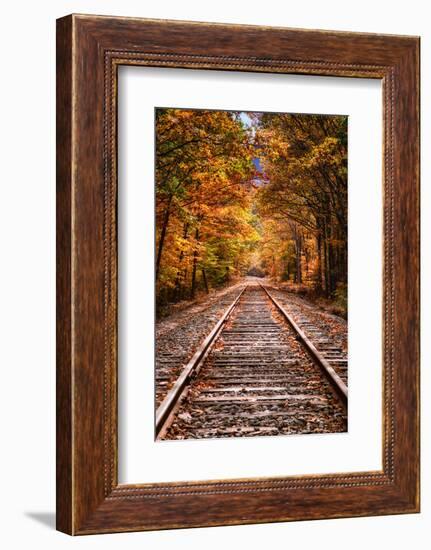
[89,51]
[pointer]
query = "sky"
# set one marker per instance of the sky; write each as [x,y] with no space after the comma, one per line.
[246,120]
[257,164]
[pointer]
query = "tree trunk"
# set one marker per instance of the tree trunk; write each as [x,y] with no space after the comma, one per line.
[195,263]
[328,262]
[319,262]
[326,257]
[204,277]
[298,246]
[178,279]
[184,287]
[162,236]
[227,275]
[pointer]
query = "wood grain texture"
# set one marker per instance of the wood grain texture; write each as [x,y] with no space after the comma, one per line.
[64,497]
[90,49]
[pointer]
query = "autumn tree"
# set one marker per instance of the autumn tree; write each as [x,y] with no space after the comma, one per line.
[203,173]
[304,193]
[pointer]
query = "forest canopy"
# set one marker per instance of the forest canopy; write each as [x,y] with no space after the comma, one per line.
[249,194]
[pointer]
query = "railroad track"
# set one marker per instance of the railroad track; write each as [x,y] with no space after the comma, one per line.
[330,347]
[174,345]
[256,373]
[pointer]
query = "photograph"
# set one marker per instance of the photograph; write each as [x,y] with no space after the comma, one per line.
[251,282]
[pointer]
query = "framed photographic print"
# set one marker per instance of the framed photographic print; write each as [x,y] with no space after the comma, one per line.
[237,274]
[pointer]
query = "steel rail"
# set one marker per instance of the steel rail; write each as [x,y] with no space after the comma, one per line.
[334,379]
[176,393]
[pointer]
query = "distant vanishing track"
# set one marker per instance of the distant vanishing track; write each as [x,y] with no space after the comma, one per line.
[256,373]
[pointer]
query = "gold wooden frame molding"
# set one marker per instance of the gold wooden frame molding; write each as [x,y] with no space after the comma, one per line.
[89,51]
